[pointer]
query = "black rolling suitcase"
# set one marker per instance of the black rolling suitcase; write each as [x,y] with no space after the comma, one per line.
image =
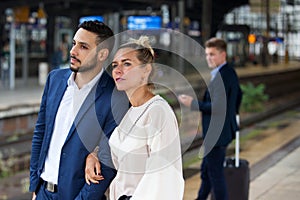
[237,174]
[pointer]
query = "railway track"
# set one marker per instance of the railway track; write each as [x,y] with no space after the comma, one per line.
[282,89]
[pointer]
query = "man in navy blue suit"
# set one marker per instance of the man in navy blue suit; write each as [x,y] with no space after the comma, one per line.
[219,108]
[77,113]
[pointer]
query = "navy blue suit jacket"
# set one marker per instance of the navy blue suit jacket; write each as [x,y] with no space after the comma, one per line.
[219,107]
[93,125]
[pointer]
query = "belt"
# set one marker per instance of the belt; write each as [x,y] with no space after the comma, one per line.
[51,187]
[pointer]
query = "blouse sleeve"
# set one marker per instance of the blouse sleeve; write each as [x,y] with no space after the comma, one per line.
[163,177]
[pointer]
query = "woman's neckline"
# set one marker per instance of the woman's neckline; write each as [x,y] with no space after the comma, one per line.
[146,102]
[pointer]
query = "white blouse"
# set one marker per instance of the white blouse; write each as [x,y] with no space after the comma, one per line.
[146,152]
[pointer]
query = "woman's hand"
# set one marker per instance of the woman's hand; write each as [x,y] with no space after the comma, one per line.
[92,169]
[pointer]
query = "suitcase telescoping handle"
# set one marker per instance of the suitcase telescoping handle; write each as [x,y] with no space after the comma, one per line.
[237,143]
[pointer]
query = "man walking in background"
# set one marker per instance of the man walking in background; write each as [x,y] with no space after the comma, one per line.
[220,103]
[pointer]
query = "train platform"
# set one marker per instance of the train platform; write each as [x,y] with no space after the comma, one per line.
[273,158]
[273,155]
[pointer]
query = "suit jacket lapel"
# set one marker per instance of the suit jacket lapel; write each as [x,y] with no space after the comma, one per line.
[90,100]
[215,82]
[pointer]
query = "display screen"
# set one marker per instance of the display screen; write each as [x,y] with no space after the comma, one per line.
[143,22]
[88,18]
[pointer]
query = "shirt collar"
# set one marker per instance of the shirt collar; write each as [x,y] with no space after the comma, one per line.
[90,84]
[214,72]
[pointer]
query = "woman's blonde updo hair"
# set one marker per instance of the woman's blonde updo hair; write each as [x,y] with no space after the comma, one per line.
[145,53]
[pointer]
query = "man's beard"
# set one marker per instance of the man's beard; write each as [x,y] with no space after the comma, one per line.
[73,69]
[85,67]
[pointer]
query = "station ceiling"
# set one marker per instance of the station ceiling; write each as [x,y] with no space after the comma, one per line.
[58,6]
[193,8]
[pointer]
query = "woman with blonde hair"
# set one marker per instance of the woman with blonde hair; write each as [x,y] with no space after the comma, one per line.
[145,147]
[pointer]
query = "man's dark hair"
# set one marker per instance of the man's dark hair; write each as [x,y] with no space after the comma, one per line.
[217,43]
[105,35]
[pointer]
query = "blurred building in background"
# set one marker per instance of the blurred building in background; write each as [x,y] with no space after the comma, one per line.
[257,31]
[270,24]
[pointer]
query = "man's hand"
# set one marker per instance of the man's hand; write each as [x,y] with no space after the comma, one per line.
[185,100]
[92,169]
